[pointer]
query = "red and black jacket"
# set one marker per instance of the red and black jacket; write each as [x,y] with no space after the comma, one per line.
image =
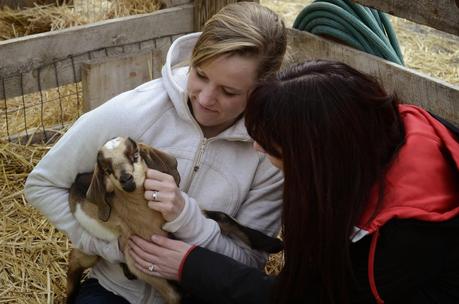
[405,248]
[421,183]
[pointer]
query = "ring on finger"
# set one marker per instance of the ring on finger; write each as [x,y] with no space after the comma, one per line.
[152,267]
[155,195]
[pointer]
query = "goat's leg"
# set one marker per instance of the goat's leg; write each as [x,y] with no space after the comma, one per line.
[254,238]
[78,263]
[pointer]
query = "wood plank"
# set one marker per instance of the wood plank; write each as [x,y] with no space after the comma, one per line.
[172,3]
[440,14]
[68,71]
[106,78]
[411,86]
[16,55]
[62,52]
[159,55]
[47,137]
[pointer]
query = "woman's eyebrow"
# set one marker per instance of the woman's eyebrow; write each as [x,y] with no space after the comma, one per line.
[234,90]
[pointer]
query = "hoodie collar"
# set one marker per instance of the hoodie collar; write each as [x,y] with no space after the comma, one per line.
[175,77]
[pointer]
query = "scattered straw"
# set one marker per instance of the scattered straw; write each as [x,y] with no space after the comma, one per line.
[32,253]
[60,106]
[16,23]
[43,18]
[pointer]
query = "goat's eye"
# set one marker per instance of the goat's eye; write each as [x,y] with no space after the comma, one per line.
[135,157]
[108,171]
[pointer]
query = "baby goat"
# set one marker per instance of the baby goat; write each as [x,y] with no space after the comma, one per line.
[110,204]
[114,206]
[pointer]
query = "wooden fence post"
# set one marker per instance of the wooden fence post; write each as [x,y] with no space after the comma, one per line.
[204,9]
[105,78]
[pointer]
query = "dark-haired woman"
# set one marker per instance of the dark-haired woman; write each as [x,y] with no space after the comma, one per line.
[371,199]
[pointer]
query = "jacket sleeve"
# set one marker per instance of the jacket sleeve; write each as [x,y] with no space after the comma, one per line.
[215,278]
[47,185]
[261,210]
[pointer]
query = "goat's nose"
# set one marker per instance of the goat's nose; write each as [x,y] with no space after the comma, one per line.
[127,182]
[126,179]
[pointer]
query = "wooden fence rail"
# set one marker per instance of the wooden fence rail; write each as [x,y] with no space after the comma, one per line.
[440,14]
[28,64]
[411,86]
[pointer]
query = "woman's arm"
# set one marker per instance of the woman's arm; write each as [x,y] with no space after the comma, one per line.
[260,210]
[206,275]
[47,185]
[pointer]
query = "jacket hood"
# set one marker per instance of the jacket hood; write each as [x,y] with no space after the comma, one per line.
[175,76]
[422,182]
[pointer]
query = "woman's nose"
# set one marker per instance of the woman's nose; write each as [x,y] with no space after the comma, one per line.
[207,96]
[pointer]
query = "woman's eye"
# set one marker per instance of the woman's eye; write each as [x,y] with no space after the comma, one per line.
[229,93]
[200,75]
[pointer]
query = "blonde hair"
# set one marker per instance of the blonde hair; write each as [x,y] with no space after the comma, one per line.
[245,29]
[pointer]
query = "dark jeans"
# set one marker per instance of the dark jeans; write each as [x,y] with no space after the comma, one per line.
[91,292]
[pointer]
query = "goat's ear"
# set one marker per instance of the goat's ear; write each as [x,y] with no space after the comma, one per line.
[161,161]
[97,194]
[133,144]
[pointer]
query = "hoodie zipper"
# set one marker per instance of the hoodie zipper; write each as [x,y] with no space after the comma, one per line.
[196,163]
[198,158]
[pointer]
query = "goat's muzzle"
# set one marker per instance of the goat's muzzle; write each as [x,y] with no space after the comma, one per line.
[127,182]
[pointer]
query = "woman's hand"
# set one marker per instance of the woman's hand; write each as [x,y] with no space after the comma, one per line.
[162,257]
[163,195]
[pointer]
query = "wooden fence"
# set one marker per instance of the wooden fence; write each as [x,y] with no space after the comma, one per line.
[44,61]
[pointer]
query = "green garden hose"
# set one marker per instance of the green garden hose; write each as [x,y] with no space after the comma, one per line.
[363,28]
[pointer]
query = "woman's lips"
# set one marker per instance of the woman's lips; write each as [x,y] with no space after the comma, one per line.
[205,108]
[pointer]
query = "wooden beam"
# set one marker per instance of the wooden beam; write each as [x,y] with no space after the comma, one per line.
[27,53]
[411,86]
[30,63]
[172,3]
[440,14]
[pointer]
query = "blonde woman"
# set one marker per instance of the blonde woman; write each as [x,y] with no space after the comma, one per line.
[195,113]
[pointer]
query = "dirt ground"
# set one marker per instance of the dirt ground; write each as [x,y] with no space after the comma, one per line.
[424,49]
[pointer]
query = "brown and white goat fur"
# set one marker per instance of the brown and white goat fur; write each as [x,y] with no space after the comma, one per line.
[110,204]
[114,206]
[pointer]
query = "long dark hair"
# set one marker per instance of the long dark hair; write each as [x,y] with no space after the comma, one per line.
[336,131]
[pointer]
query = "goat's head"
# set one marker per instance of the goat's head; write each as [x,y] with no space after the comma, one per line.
[121,166]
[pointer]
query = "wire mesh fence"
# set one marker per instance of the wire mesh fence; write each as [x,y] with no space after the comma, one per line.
[56,101]
[39,116]
[45,114]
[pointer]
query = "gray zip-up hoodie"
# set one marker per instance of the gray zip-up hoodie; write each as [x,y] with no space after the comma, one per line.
[221,173]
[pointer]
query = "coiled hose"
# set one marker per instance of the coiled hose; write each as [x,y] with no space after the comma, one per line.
[363,28]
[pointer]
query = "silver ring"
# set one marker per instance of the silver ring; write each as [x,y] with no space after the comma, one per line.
[152,267]
[155,195]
